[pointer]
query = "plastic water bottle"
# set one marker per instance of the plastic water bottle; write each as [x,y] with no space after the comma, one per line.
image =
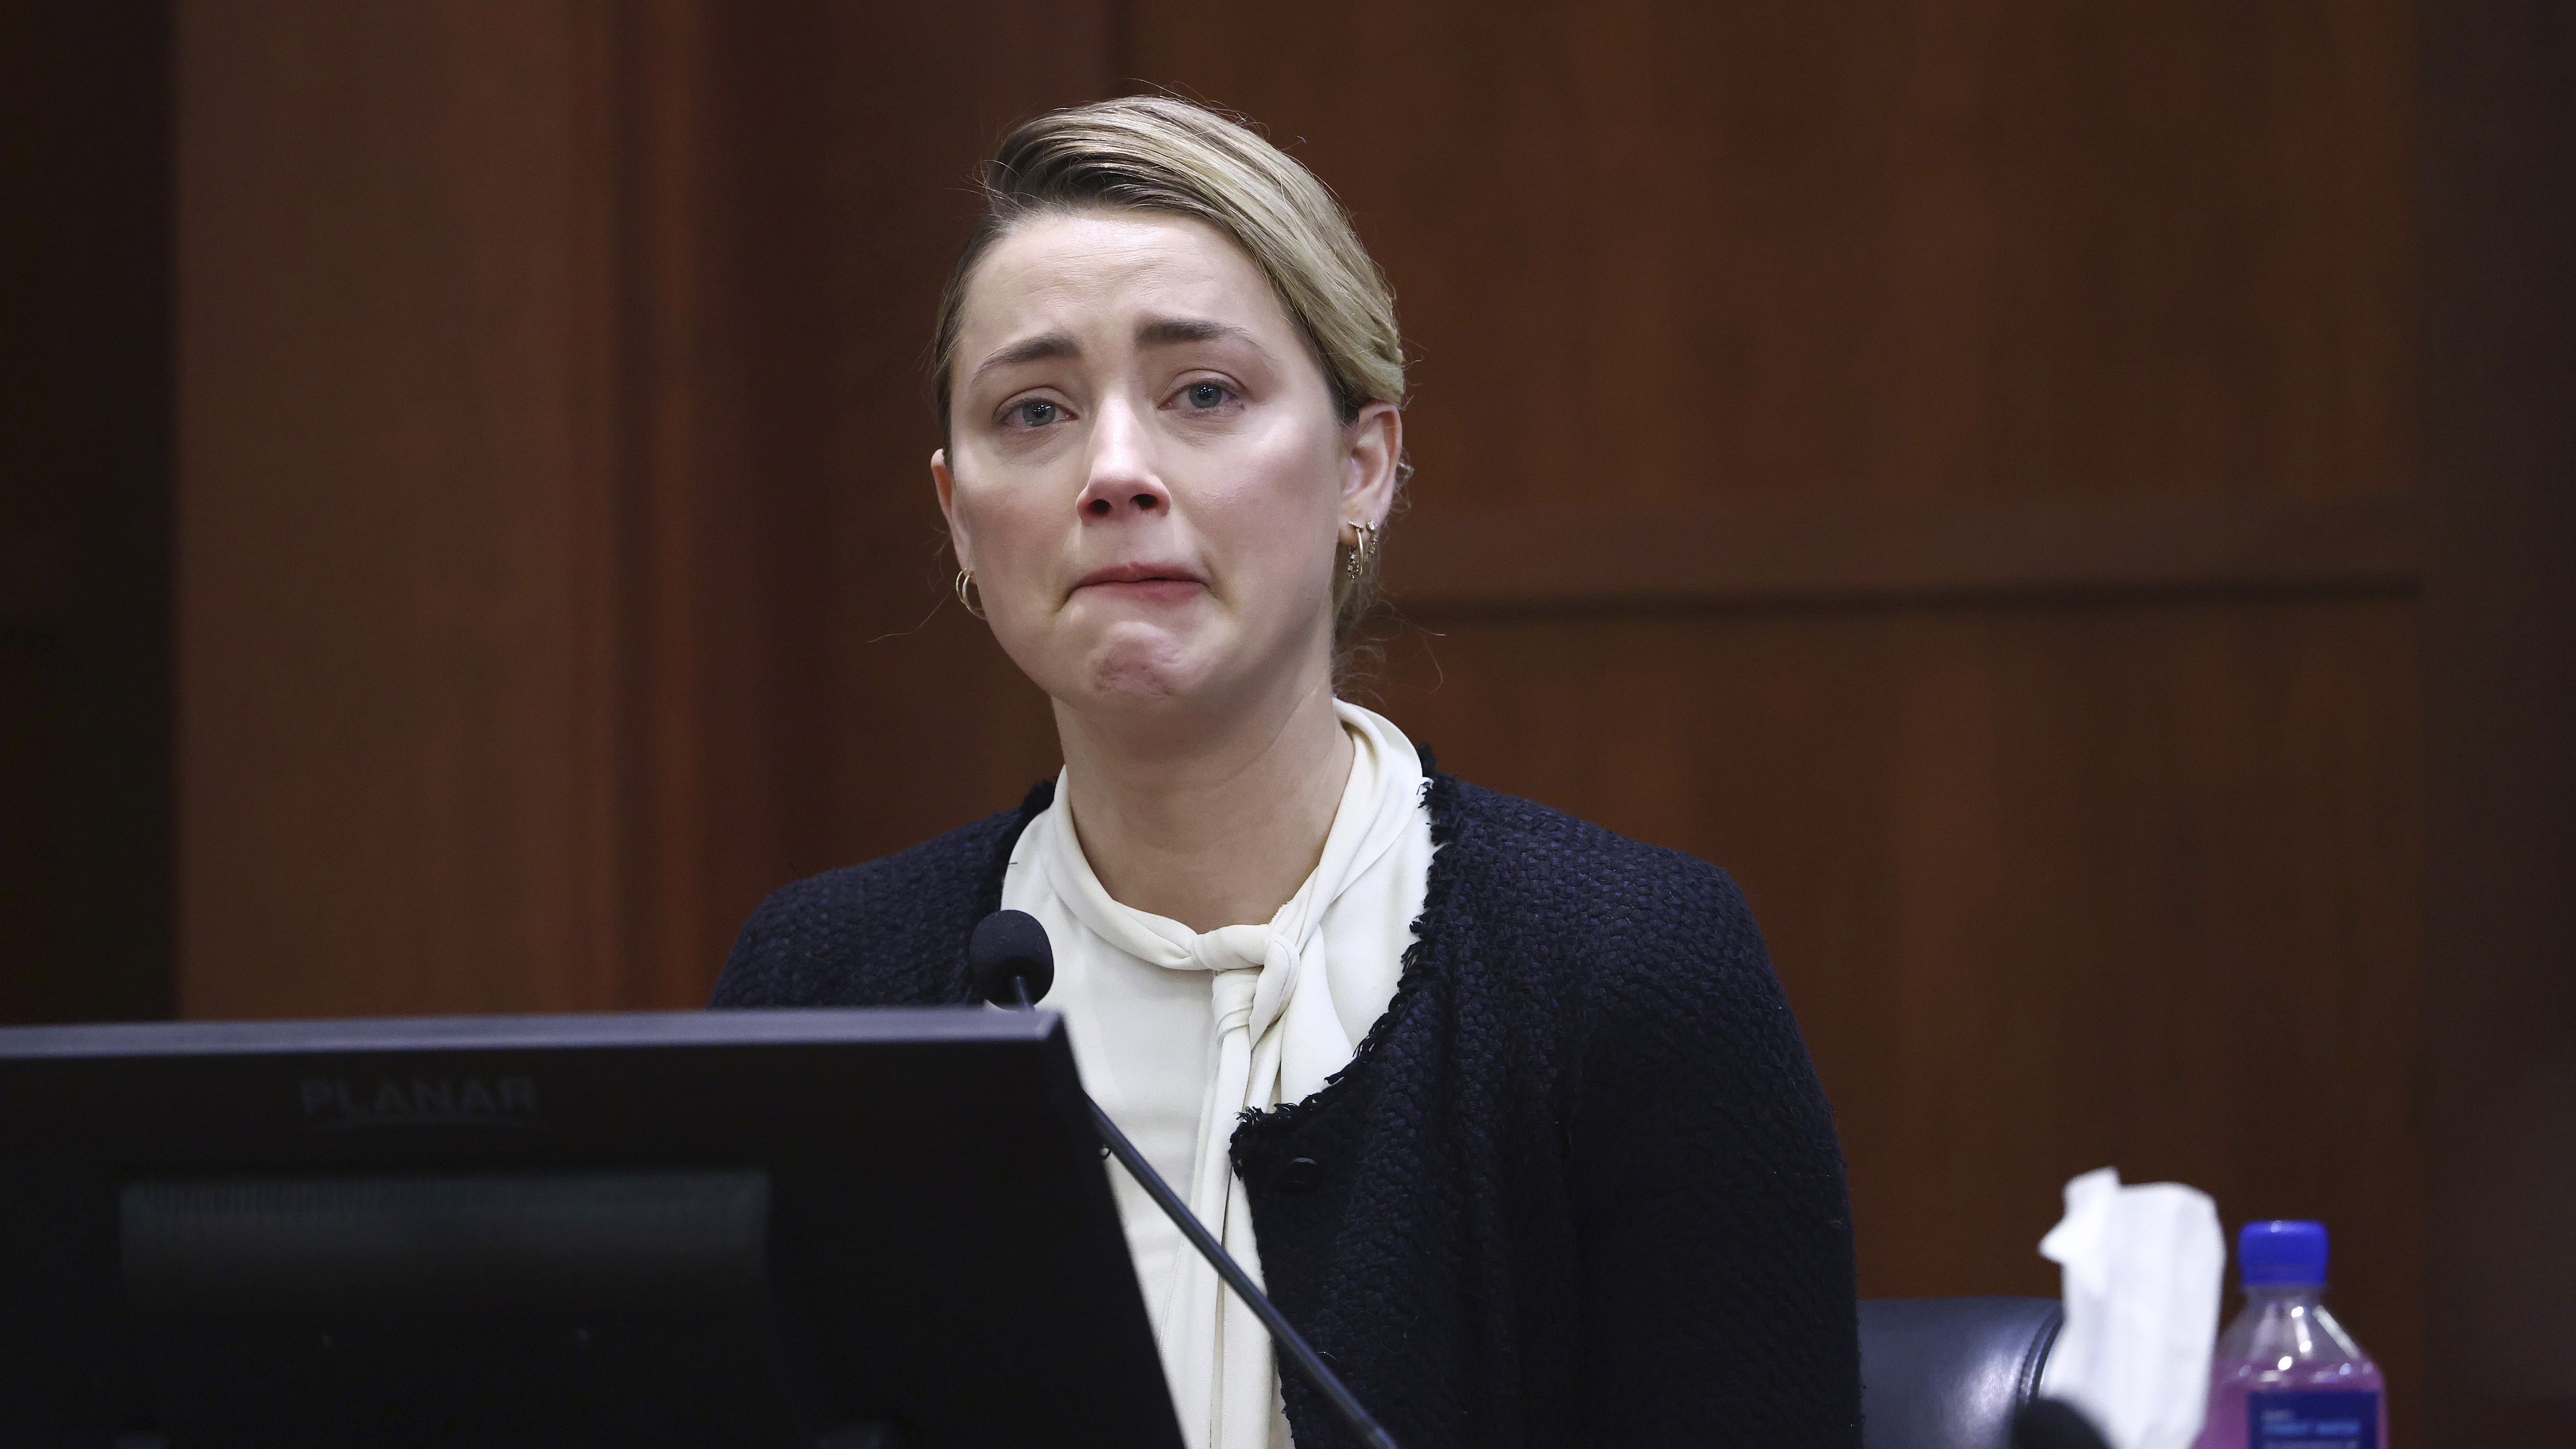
[2286,1375]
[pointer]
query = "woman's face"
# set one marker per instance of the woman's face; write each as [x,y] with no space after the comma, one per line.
[1144,468]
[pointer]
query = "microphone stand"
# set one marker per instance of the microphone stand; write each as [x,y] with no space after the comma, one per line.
[1310,1363]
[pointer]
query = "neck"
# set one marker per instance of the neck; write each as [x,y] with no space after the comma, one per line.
[1212,825]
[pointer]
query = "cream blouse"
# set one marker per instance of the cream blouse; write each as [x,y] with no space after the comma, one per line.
[1176,1032]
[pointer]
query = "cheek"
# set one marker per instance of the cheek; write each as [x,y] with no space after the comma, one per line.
[1008,519]
[1276,517]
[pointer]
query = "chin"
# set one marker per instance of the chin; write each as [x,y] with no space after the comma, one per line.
[1144,670]
[1141,680]
[1148,673]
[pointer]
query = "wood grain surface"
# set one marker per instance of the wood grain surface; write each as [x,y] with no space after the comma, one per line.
[397,619]
[1829,550]
[85,501]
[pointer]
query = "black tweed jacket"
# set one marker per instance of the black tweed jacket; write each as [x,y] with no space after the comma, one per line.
[1578,1187]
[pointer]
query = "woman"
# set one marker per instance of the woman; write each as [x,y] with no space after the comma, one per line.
[1508,1111]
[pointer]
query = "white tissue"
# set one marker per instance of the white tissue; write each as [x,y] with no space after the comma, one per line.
[2144,1267]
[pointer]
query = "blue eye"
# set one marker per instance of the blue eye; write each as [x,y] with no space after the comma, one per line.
[1037,412]
[1206,394]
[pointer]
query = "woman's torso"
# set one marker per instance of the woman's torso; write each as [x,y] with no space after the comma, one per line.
[1577,1186]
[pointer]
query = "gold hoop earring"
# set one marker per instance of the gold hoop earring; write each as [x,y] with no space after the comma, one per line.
[1365,545]
[965,581]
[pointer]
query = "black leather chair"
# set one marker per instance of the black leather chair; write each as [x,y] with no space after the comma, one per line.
[1950,1373]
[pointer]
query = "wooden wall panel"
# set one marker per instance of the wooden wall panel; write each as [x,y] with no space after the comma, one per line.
[2500,471]
[551,455]
[1657,250]
[395,428]
[31,810]
[1827,548]
[85,793]
[724,243]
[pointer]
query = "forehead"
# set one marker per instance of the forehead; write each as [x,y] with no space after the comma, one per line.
[1099,270]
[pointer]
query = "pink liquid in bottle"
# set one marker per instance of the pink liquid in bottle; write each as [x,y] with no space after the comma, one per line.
[2286,1375]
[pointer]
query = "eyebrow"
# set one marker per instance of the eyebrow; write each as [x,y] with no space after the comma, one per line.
[1152,332]
[1164,331]
[1032,349]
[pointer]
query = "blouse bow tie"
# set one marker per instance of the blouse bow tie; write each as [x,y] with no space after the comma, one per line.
[1255,969]
[1278,1034]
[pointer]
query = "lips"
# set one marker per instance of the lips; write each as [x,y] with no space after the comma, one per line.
[1142,577]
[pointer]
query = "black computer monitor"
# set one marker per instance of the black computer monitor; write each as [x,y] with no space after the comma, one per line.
[772,1228]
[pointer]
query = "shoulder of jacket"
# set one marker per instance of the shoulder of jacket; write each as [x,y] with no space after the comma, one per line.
[810,939]
[1567,861]
[959,858]
[1549,897]
[1637,951]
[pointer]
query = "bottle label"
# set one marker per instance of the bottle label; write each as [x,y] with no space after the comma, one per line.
[2312,1420]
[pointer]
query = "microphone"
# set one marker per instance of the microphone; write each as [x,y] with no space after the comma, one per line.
[1009,959]
[2054,1424]
[1011,963]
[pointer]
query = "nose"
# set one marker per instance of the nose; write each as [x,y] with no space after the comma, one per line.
[1122,481]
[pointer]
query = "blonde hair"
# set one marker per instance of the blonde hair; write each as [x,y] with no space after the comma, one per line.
[1157,154]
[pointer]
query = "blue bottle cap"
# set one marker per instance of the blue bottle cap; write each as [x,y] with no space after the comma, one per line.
[2282,1252]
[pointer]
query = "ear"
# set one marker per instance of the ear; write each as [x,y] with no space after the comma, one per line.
[1376,441]
[945,483]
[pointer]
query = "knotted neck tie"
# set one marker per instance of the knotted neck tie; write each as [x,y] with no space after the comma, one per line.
[1278,1036]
